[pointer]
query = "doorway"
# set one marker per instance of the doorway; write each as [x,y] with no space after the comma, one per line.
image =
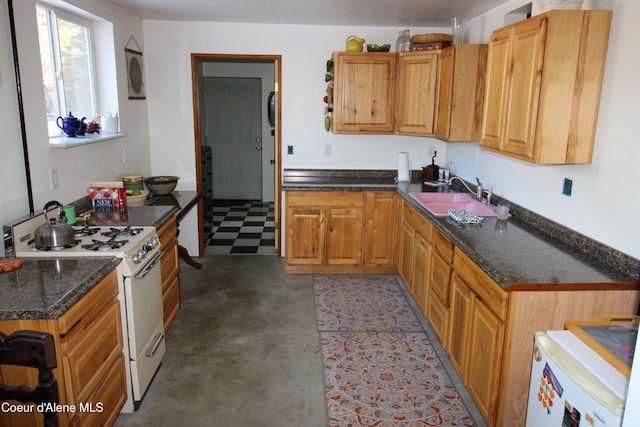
[233,130]
[248,168]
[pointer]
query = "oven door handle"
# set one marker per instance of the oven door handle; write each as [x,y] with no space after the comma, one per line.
[149,266]
[154,347]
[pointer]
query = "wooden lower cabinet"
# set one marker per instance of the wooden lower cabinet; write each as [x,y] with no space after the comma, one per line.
[490,335]
[405,256]
[485,355]
[326,232]
[420,276]
[475,346]
[109,398]
[438,317]
[170,270]
[90,371]
[380,228]
[460,313]
[424,264]
[344,236]
[486,330]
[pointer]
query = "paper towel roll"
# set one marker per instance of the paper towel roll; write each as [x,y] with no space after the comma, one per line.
[403,167]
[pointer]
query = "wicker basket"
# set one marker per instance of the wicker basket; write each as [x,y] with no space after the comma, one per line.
[432,38]
[419,47]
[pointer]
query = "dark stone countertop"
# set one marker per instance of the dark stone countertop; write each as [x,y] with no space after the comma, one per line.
[526,252]
[156,211]
[45,288]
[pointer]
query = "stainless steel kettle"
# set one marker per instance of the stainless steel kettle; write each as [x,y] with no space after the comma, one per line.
[55,232]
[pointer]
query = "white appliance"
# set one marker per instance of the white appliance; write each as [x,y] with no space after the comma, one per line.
[571,385]
[140,290]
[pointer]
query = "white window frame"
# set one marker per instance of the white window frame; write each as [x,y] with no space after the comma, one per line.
[54,50]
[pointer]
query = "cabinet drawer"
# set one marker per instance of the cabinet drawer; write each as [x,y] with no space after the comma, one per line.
[107,399]
[486,289]
[325,198]
[442,245]
[417,221]
[90,306]
[87,358]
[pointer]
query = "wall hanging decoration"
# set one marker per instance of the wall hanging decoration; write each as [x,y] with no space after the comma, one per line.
[328,99]
[135,70]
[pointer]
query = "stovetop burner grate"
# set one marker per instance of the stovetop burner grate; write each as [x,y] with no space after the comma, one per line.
[56,248]
[105,245]
[85,231]
[127,231]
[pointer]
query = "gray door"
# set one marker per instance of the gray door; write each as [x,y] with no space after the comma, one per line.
[234,132]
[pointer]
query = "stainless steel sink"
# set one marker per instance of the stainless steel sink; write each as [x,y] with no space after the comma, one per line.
[440,203]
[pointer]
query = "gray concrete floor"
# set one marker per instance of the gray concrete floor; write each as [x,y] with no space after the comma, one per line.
[244,351]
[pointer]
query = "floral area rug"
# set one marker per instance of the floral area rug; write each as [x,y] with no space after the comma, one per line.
[380,368]
[362,304]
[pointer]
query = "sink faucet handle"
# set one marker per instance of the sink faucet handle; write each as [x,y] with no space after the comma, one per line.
[479,189]
[489,194]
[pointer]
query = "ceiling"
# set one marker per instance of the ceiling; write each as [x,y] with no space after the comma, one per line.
[383,13]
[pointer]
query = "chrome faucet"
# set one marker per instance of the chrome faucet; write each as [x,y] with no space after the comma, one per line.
[479,193]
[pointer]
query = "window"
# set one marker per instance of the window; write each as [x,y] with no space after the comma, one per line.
[66,55]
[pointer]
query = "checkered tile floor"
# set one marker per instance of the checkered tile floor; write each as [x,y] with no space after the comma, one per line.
[241,227]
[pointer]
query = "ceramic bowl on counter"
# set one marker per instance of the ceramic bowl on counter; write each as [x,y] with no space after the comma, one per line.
[161,185]
[138,199]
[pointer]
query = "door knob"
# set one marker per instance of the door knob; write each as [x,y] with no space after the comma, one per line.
[258,148]
[258,140]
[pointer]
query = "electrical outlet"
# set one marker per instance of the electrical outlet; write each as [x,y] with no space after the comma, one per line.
[289,149]
[567,187]
[327,150]
[53,175]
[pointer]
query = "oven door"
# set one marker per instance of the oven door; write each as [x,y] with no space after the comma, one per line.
[143,300]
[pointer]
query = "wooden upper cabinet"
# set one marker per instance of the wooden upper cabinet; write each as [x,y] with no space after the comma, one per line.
[364,92]
[460,97]
[416,92]
[544,77]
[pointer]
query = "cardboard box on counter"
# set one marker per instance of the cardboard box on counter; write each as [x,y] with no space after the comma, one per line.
[109,201]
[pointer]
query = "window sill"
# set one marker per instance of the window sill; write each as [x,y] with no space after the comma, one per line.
[76,141]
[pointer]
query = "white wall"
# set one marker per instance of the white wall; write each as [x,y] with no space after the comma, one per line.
[77,167]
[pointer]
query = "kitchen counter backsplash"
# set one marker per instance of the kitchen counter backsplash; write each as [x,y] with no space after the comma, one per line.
[384,180]
[348,179]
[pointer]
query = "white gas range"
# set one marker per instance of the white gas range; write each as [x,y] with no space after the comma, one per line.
[140,289]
